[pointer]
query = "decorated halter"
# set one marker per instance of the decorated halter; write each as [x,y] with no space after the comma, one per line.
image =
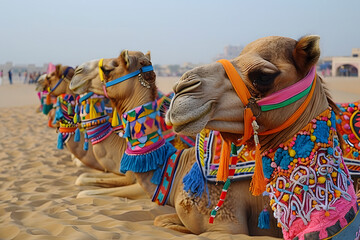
[94,118]
[63,76]
[123,78]
[65,117]
[276,100]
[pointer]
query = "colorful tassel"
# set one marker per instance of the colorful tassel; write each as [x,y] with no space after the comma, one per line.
[127,132]
[48,101]
[221,201]
[223,171]
[75,119]
[69,109]
[115,119]
[86,143]
[87,108]
[92,109]
[77,135]
[60,143]
[264,219]
[102,105]
[258,184]
[148,161]
[194,181]
[47,108]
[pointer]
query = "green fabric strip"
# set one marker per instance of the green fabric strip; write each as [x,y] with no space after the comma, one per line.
[289,101]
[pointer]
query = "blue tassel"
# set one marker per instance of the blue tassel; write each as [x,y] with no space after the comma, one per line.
[60,143]
[127,132]
[86,143]
[77,135]
[156,178]
[103,105]
[194,181]
[87,109]
[147,162]
[58,115]
[47,108]
[77,108]
[58,101]
[264,219]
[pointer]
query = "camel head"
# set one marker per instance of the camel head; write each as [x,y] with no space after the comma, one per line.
[41,84]
[88,78]
[205,97]
[63,73]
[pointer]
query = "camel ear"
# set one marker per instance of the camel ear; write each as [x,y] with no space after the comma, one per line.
[57,69]
[147,55]
[125,57]
[71,73]
[307,52]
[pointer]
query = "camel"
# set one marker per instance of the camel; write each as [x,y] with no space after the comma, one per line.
[41,90]
[134,95]
[57,88]
[246,97]
[97,156]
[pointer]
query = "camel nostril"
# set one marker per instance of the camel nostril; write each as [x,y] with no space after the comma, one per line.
[78,70]
[186,86]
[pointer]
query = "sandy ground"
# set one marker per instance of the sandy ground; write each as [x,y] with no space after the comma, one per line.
[37,190]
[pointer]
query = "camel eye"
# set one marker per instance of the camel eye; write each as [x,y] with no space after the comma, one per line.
[262,80]
[106,71]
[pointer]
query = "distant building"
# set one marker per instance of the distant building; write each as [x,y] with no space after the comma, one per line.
[22,68]
[230,52]
[342,66]
[173,70]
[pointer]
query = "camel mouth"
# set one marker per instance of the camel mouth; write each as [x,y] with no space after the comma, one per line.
[79,85]
[188,122]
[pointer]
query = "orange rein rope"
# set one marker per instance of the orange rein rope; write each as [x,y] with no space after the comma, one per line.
[258,183]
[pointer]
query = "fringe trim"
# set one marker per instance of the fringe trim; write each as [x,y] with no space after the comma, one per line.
[194,181]
[147,162]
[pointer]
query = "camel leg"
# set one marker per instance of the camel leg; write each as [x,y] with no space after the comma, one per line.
[76,161]
[134,191]
[105,179]
[171,221]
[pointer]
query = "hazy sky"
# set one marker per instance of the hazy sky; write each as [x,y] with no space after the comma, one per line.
[74,31]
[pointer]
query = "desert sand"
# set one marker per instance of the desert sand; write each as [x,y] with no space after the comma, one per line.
[37,190]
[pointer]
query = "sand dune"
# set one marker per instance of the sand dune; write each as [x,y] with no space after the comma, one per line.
[37,190]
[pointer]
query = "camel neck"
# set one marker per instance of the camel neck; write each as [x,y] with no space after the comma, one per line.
[146,150]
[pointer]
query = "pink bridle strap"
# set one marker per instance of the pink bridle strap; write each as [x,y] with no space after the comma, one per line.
[289,92]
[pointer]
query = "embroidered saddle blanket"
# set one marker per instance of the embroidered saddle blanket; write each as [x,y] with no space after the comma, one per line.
[208,148]
[348,124]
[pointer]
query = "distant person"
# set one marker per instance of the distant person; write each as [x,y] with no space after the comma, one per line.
[25,76]
[1,76]
[10,76]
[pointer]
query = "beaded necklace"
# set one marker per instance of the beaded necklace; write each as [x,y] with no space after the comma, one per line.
[307,175]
